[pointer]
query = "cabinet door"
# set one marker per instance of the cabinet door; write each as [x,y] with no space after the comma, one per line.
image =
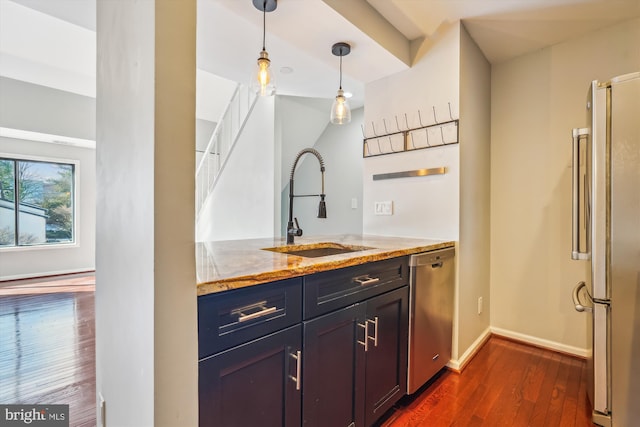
[253,384]
[386,357]
[333,357]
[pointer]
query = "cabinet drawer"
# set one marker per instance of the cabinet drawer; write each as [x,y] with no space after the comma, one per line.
[234,317]
[331,290]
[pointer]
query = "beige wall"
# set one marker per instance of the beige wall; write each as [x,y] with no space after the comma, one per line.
[473,250]
[536,100]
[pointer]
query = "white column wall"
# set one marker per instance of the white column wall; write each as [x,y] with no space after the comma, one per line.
[146,325]
[536,100]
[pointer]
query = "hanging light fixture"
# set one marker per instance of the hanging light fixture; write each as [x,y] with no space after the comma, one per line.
[340,111]
[262,81]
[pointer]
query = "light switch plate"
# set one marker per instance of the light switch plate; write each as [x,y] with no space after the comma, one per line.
[383,208]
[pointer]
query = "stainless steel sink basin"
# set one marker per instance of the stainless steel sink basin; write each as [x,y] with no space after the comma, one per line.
[316,250]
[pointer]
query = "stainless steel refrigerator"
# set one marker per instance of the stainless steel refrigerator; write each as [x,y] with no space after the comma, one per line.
[606,232]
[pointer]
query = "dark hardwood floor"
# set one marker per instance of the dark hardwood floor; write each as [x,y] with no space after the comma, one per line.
[47,355]
[47,345]
[506,384]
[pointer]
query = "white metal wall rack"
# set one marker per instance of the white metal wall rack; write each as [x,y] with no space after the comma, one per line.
[406,138]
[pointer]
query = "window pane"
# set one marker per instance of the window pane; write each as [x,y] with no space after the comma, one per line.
[7,203]
[45,193]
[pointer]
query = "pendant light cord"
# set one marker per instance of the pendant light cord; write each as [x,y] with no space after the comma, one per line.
[264,22]
[340,68]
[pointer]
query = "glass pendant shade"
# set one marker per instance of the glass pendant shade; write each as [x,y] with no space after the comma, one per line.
[340,111]
[262,81]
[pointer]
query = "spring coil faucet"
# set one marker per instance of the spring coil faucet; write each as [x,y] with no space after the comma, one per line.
[322,208]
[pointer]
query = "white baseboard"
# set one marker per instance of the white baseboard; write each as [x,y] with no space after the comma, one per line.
[539,342]
[459,364]
[43,274]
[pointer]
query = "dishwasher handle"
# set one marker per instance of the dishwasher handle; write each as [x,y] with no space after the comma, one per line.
[435,259]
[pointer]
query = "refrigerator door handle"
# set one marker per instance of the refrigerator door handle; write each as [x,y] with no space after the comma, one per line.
[578,135]
[576,298]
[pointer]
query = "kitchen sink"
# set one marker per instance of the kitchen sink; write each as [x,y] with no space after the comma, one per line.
[316,250]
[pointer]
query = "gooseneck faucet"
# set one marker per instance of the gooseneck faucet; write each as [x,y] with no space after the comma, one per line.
[322,208]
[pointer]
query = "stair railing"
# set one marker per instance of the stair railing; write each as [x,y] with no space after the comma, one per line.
[222,141]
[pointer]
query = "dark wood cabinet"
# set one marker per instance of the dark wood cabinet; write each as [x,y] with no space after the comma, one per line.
[386,357]
[328,349]
[254,384]
[333,383]
[355,361]
[250,345]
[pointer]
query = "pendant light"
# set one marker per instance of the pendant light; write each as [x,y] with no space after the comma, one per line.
[262,81]
[340,111]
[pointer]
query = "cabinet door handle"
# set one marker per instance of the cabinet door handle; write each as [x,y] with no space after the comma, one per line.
[365,343]
[263,311]
[298,358]
[366,280]
[375,330]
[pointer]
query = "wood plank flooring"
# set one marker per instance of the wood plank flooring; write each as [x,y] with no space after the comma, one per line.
[47,345]
[47,355]
[506,384]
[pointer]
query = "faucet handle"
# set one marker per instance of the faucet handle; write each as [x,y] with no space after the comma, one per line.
[297,230]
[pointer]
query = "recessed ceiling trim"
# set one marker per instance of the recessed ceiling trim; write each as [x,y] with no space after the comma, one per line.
[46,137]
[362,15]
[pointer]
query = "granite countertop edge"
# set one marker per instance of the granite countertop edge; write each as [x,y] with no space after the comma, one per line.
[268,266]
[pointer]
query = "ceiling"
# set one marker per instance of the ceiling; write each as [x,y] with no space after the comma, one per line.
[52,42]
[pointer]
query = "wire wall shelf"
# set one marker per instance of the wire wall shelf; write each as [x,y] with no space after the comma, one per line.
[406,138]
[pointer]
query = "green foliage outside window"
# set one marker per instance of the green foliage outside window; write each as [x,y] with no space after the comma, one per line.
[45,203]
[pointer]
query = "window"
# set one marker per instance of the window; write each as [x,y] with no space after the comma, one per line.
[36,202]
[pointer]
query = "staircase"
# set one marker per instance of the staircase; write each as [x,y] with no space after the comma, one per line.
[222,142]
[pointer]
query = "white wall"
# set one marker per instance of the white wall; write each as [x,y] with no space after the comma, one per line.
[300,121]
[242,203]
[450,69]
[536,100]
[423,206]
[475,172]
[41,261]
[42,109]
[341,149]
[146,324]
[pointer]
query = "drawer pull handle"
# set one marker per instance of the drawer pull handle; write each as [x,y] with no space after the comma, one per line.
[298,358]
[366,280]
[263,311]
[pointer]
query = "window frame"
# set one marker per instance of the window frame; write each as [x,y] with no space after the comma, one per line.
[76,202]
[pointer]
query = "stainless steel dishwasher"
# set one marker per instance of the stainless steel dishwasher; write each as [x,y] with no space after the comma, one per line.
[431,286]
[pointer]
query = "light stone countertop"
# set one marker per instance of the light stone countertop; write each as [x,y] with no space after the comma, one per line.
[234,264]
